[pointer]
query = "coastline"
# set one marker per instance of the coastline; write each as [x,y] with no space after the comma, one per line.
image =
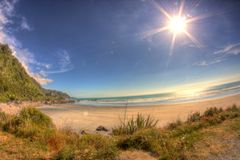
[15,106]
[88,118]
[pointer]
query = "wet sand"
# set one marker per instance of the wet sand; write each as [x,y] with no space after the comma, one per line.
[88,118]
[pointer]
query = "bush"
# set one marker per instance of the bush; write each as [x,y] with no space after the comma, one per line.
[66,153]
[212,111]
[3,118]
[31,124]
[194,117]
[233,108]
[156,142]
[89,147]
[147,139]
[36,117]
[134,125]
[175,124]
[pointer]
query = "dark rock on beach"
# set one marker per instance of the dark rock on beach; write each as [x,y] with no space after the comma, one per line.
[83,132]
[101,128]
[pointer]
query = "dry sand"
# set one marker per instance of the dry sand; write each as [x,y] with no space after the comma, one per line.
[88,118]
[14,108]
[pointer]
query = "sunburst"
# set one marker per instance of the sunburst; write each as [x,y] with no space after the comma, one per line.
[177,24]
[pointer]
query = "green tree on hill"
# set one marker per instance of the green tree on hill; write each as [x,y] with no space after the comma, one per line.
[16,84]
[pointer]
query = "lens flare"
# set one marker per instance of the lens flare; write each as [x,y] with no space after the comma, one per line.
[177,24]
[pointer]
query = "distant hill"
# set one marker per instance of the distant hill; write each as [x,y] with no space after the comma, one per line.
[16,84]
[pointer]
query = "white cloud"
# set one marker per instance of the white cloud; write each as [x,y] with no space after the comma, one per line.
[64,63]
[221,55]
[24,25]
[206,63]
[232,49]
[6,37]
[38,70]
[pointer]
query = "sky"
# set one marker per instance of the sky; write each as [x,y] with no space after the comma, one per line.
[106,48]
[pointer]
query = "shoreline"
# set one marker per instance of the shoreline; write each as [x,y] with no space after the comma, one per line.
[88,118]
[15,106]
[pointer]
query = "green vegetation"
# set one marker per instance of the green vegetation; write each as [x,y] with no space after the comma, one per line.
[89,147]
[31,124]
[202,136]
[133,125]
[16,84]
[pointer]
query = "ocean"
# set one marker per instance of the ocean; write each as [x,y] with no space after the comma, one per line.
[217,91]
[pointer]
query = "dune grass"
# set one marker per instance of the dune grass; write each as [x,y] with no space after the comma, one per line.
[175,141]
[135,124]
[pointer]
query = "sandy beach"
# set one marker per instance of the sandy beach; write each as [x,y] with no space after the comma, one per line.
[88,118]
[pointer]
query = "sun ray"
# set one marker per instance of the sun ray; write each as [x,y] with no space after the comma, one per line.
[172,43]
[181,8]
[204,16]
[177,24]
[193,19]
[193,39]
[161,9]
[155,31]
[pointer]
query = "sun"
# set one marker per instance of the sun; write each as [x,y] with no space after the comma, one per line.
[177,24]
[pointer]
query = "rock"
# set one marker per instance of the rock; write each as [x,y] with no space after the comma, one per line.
[101,128]
[83,132]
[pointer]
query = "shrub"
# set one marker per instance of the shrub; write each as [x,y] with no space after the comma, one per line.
[175,124]
[31,124]
[134,125]
[36,117]
[156,142]
[102,147]
[194,117]
[3,118]
[212,111]
[66,153]
[56,141]
[147,139]
[89,147]
[233,108]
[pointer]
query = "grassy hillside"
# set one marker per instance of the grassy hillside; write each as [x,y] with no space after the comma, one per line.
[16,84]
[212,135]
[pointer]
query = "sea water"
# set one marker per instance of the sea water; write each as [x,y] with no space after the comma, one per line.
[163,98]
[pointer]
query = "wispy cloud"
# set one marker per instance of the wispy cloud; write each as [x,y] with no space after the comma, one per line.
[24,24]
[64,64]
[206,63]
[221,55]
[232,49]
[38,70]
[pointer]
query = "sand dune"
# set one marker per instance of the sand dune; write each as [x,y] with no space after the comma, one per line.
[88,118]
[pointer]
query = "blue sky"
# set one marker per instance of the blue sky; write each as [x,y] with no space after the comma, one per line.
[99,48]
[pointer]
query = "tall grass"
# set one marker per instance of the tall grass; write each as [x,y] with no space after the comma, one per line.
[3,118]
[175,124]
[139,133]
[174,141]
[32,124]
[135,124]
[212,111]
[89,147]
[194,117]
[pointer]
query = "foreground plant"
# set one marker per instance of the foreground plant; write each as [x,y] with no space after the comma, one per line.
[135,124]
[177,141]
